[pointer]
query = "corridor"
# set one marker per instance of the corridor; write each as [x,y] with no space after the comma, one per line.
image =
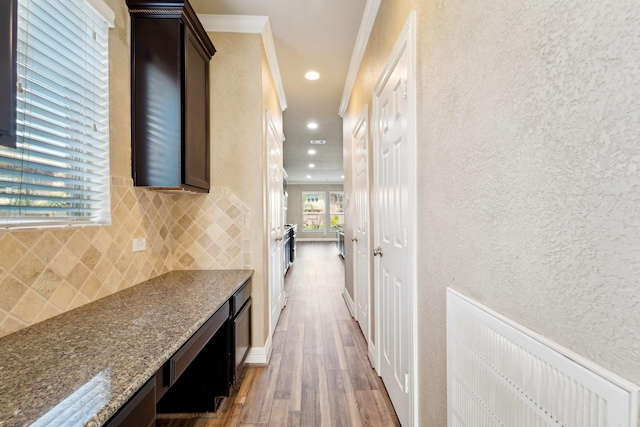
[319,374]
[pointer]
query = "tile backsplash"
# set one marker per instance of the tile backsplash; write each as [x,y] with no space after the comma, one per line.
[45,272]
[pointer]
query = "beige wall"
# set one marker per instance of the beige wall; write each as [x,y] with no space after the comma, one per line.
[49,271]
[528,185]
[294,208]
[243,91]
[237,145]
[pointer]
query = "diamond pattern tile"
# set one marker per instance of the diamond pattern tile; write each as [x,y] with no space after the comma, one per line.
[47,272]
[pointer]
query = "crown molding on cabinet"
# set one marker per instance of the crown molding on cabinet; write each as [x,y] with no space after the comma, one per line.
[368,19]
[254,25]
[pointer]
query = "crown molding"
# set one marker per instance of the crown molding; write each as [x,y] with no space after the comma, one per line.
[252,25]
[366,26]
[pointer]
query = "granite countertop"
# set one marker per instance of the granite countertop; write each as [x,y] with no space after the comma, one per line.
[79,368]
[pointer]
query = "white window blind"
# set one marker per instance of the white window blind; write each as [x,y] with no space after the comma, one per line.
[59,172]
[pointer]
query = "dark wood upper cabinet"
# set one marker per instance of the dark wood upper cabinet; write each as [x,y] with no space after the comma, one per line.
[8,71]
[170,53]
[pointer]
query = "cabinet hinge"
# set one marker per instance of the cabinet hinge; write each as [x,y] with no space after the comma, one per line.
[406,383]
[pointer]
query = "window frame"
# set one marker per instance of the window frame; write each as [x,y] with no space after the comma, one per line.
[40,190]
[332,213]
[323,214]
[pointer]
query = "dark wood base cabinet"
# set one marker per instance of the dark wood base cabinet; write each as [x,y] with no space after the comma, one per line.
[205,382]
[201,373]
[241,340]
[139,411]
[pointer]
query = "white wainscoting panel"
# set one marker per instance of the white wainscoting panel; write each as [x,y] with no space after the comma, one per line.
[500,373]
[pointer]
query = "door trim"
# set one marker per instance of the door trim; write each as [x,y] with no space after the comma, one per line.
[270,128]
[364,121]
[406,42]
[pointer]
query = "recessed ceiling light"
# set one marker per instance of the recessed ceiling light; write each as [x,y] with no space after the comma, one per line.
[311,165]
[312,151]
[308,176]
[318,141]
[312,125]
[312,75]
[342,177]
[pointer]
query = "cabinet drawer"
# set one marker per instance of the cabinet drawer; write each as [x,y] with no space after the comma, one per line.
[140,410]
[183,357]
[240,297]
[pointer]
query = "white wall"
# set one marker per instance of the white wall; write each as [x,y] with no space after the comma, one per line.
[529,185]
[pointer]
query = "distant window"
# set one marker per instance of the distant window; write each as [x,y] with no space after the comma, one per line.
[59,172]
[336,209]
[313,211]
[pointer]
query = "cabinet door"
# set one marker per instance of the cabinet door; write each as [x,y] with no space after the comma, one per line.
[8,71]
[241,335]
[196,114]
[156,52]
[140,410]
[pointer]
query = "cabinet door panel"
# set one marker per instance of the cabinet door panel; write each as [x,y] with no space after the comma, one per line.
[241,340]
[156,116]
[196,144]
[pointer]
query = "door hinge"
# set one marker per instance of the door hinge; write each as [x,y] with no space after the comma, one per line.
[406,383]
[405,90]
[406,237]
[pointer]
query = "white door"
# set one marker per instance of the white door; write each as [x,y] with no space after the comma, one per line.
[394,109]
[361,248]
[275,221]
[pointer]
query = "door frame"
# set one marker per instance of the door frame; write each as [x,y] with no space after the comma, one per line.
[364,121]
[270,128]
[406,42]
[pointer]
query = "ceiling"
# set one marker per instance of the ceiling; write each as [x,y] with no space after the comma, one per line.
[308,35]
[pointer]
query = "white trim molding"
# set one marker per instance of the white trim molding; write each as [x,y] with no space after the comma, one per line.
[260,355]
[349,301]
[251,25]
[104,10]
[315,239]
[406,42]
[366,25]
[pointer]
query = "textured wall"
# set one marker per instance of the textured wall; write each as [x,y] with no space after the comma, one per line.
[49,271]
[242,90]
[528,187]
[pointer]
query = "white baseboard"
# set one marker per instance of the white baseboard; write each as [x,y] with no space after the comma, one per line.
[350,304]
[316,239]
[260,355]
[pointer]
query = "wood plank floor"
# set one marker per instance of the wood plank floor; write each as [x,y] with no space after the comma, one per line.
[319,374]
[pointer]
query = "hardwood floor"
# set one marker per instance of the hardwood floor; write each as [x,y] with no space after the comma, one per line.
[319,374]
